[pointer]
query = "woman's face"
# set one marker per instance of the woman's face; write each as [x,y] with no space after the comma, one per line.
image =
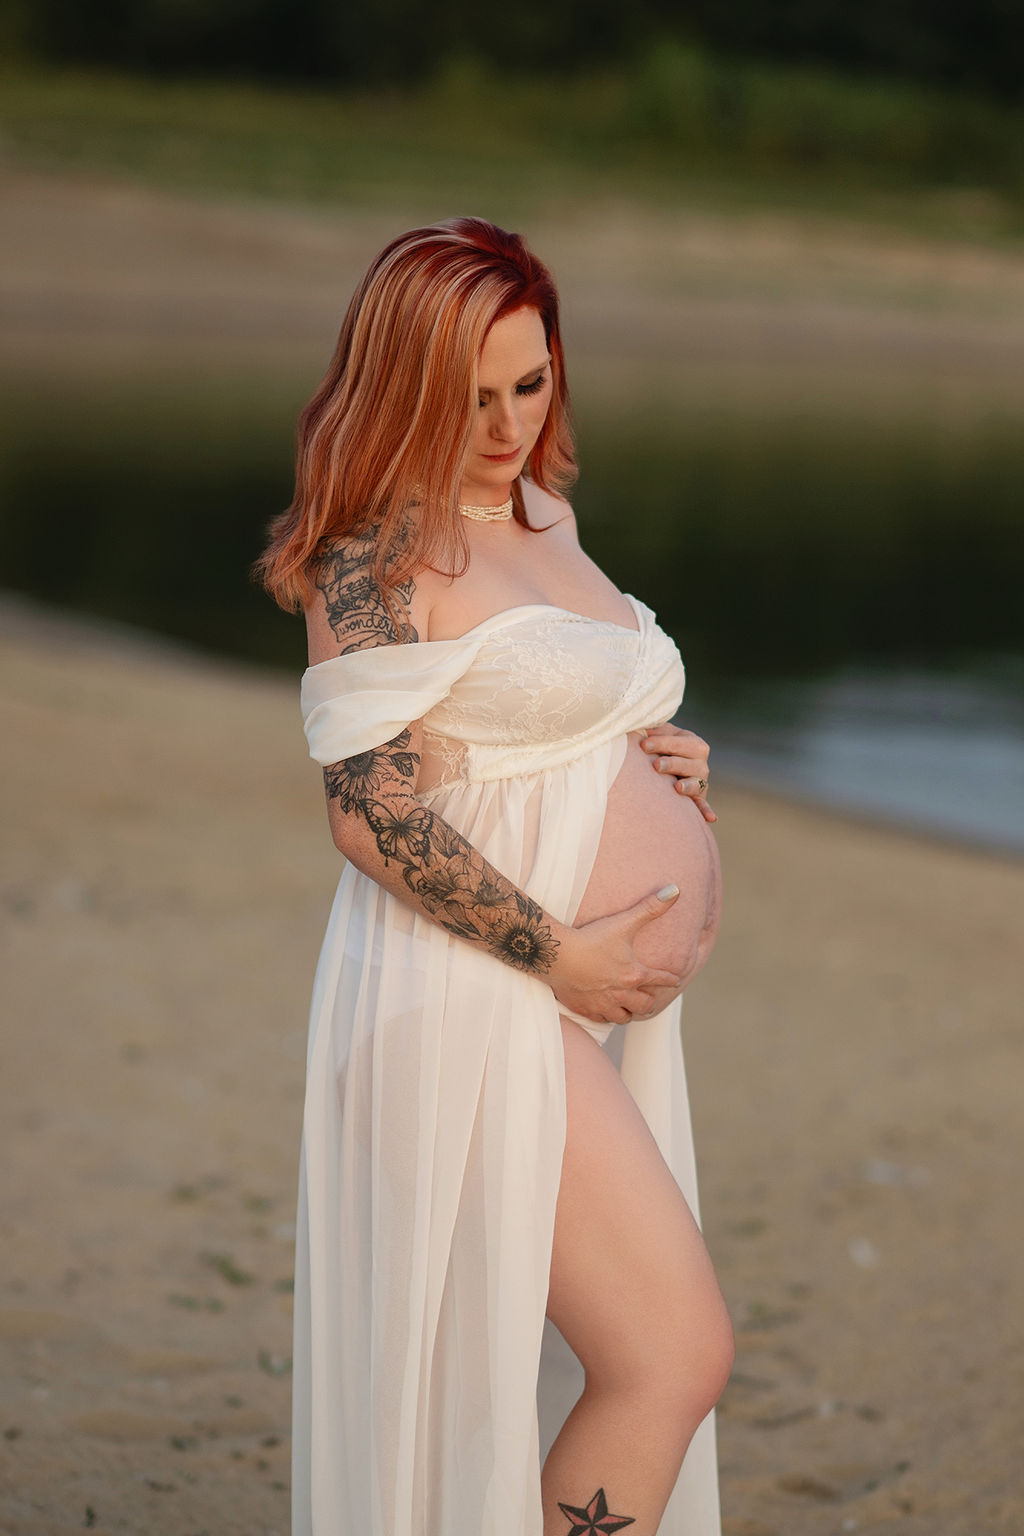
[514,394]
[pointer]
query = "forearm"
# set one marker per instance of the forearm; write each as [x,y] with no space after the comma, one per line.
[421,858]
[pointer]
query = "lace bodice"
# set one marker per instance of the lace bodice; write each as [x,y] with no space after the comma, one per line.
[541,678]
[527,689]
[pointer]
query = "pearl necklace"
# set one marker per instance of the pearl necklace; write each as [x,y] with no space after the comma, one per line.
[488,514]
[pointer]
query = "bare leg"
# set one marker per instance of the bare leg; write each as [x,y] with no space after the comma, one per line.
[634,1295]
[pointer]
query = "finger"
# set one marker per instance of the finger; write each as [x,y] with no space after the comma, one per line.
[674,738]
[639,1004]
[653,979]
[611,1011]
[681,767]
[651,995]
[705,809]
[697,787]
[683,744]
[650,907]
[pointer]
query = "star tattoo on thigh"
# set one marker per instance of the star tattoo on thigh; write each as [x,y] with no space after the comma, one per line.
[594,1519]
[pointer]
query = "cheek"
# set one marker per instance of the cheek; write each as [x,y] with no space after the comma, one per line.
[479,435]
[539,411]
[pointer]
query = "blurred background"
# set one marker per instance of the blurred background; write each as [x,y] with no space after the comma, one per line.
[790,241]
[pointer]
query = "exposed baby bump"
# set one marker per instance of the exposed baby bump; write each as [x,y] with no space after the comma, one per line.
[654,836]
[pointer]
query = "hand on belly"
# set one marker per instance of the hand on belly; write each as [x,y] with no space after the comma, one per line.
[654,836]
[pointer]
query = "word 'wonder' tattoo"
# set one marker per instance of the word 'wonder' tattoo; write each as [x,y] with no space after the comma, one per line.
[593,1519]
[453,882]
[356,610]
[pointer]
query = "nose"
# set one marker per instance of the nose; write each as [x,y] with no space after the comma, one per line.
[504,423]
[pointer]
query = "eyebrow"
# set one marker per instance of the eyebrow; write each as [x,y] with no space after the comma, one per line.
[529,374]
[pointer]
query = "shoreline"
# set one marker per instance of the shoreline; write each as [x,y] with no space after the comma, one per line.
[853,1050]
[882,821]
[24,617]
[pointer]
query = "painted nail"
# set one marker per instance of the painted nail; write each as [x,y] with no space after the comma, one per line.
[667,892]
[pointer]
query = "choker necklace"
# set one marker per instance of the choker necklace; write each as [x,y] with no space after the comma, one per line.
[489,514]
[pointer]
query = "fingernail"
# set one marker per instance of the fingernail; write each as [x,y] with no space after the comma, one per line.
[667,892]
[657,761]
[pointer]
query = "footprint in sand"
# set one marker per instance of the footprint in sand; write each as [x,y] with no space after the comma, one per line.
[121,1424]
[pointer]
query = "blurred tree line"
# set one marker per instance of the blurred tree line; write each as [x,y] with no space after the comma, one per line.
[974,47]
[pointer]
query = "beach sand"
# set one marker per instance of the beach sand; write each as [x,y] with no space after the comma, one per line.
[855,1057]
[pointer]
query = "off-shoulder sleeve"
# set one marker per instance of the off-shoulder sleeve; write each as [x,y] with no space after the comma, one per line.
[355,702]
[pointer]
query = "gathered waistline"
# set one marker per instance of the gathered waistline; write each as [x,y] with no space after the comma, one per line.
[522,770]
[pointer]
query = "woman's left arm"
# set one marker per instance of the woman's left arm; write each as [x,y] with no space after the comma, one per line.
[684,755]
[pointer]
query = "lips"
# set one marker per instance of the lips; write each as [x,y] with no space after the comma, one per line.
[503,458]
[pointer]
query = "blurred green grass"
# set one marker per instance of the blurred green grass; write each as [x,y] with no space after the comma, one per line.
[676,126]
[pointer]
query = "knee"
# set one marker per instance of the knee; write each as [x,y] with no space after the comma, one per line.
[696,1358]
[718,1355]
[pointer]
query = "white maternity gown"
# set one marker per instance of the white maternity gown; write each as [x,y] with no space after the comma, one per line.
[434,1118]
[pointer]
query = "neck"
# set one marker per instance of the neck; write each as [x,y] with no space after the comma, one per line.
[492,496]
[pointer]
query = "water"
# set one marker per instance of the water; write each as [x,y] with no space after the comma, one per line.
[932,752]
[847,601]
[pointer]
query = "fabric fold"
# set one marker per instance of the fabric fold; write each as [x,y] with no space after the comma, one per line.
[361,700]
[434,1118]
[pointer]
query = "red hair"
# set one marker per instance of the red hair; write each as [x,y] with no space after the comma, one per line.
[390,424]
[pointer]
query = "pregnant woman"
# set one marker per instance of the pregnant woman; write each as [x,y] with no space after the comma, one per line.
[522,876]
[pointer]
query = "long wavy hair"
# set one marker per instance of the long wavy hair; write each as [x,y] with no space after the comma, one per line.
[389,427]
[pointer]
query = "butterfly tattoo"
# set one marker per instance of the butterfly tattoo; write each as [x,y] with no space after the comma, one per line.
[405,835]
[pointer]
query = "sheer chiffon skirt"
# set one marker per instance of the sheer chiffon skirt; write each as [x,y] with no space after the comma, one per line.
[433,1132]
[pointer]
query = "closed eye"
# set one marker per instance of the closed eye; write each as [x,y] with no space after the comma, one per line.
[529,387]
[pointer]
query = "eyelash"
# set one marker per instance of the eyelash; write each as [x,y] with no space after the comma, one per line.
[527,389]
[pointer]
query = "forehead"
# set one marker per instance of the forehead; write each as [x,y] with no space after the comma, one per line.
[513,345]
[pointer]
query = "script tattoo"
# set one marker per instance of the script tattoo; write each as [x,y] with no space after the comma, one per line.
[450,879]
[356,610]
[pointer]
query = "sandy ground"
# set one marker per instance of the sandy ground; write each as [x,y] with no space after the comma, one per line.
[855,1056]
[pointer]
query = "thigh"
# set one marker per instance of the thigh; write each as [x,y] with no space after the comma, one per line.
[632,1288]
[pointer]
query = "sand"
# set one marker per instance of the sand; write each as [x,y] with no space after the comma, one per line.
[855,1055]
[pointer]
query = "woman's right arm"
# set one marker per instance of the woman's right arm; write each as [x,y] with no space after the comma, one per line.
[386,832]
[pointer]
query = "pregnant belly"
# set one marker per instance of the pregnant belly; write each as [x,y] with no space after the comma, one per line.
[654,836]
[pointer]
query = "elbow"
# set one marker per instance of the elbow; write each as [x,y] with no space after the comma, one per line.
[343,829]
[343,837]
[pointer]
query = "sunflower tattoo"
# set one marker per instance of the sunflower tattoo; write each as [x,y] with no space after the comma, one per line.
[363,776]
[522,941]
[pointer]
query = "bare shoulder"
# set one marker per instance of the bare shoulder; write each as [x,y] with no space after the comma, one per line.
[545,510]
[348,611]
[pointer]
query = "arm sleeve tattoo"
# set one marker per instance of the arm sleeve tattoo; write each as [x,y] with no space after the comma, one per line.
[356,610]
[445,876]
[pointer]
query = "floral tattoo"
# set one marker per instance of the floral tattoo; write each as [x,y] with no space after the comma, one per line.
[450,879]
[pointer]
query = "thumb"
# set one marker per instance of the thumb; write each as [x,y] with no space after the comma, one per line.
[650,907]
